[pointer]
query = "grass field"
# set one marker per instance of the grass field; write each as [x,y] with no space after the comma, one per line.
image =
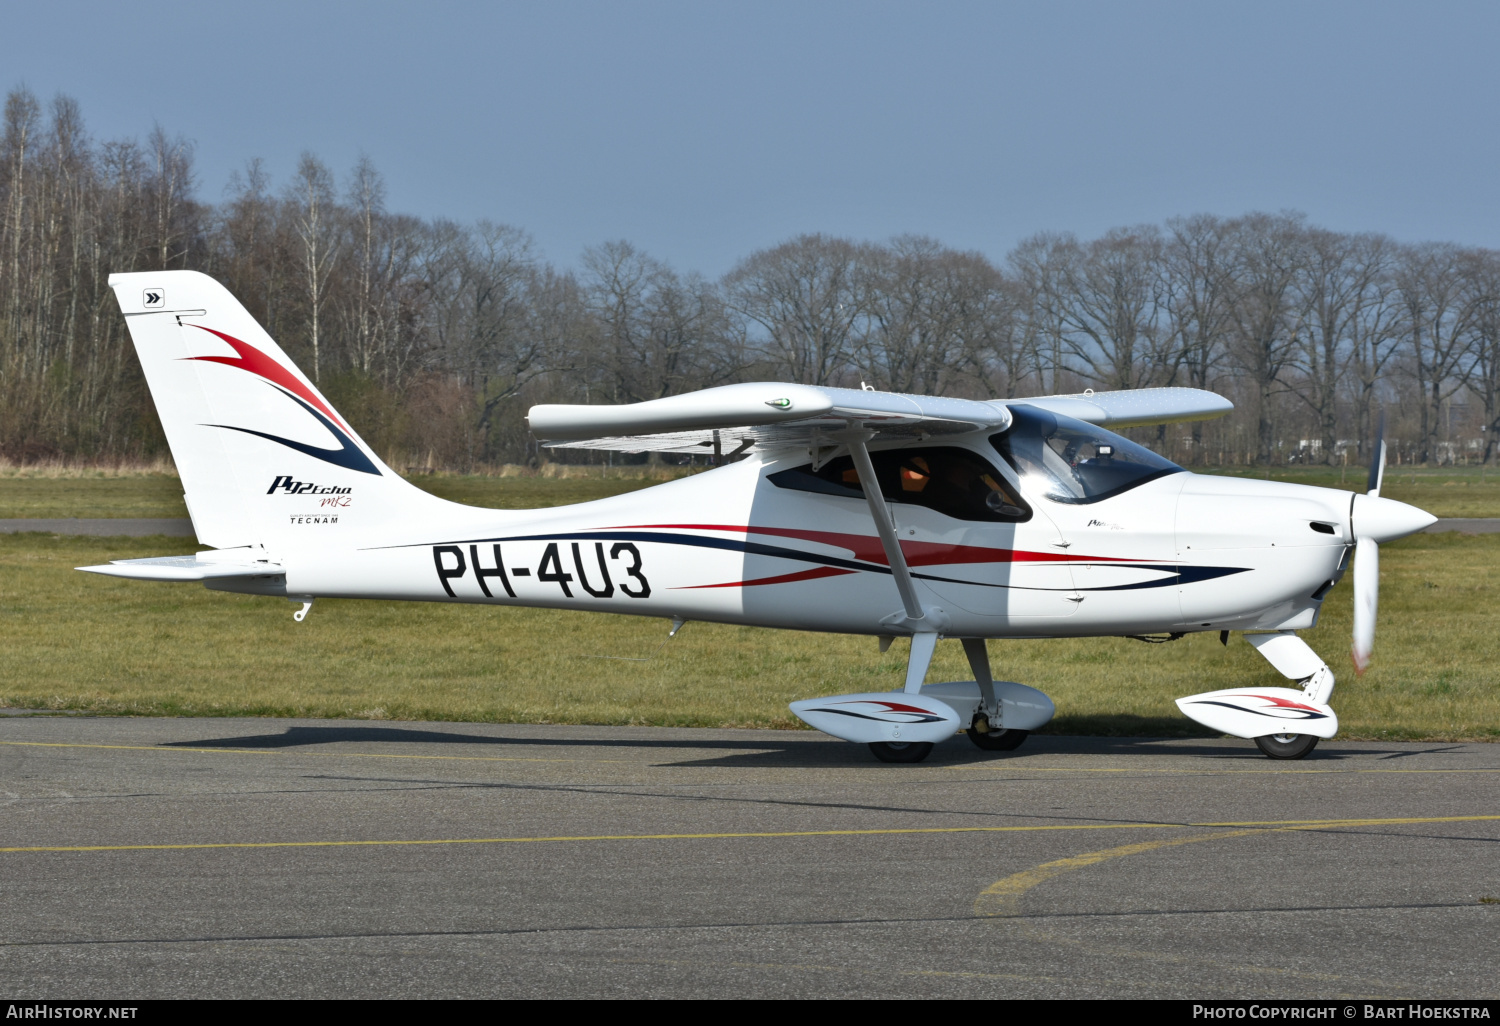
[1442,491]
[159,494]
[77,641]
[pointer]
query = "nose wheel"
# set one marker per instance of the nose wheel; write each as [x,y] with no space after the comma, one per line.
[1286,746]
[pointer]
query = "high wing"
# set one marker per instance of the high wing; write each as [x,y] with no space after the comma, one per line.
[768,414]
[1134,407]
[732,418]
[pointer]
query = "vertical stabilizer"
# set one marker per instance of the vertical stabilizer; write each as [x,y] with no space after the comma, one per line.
[262,454]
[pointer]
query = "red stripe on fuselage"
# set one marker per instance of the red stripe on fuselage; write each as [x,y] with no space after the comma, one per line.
[801,575]
[869,549]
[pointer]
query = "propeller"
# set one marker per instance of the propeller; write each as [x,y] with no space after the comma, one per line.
[1367,563]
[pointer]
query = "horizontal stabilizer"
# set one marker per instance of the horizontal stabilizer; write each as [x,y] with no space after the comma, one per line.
[183,568]
[1136,406]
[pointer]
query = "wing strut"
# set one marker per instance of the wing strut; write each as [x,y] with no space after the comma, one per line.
[856,438]
[924,629]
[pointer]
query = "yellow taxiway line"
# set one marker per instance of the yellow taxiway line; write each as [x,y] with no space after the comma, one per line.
[1311,824]
[1002,898]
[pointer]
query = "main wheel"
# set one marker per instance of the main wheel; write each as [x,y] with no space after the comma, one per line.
[998,740]
[901,751]
[1286,746]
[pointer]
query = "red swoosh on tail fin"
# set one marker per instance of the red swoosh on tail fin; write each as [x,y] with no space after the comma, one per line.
[258,363]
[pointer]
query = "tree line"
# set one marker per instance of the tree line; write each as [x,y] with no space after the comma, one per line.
[433,337]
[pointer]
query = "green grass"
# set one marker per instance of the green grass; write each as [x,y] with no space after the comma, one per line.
[527,492]
[135,495]
[160,495]
[1442,491]
[77,641]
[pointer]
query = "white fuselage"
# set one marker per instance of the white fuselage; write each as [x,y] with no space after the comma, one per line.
[1182,552]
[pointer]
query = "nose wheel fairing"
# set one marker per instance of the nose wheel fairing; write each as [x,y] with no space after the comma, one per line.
[1267,712]
[1260,712]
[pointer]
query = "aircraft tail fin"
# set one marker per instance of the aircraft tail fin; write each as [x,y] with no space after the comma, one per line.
[262,454]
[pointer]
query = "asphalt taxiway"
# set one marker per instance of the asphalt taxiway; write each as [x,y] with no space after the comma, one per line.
[284,858]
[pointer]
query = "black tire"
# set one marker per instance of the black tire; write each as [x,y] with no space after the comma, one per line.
[1286,746]
[901,751]
[998,740]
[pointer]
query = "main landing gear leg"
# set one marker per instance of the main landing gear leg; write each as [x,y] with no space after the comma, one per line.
[987,731]
[923,644]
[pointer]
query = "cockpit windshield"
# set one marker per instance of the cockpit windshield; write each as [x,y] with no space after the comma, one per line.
[1070,461]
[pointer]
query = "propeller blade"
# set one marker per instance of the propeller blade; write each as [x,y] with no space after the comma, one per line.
[1377,459]
[1366,599]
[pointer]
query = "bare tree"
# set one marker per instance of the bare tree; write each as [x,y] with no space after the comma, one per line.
[804,298]
[1199,292]
[1268,310]
[1339,278]
[618,279]
[1111,304]
[1376,333]
[998,340]
[1438,310]
[435,336]
[1037,267]
[1482,273]
[311,196]
[171,186]
[22,116]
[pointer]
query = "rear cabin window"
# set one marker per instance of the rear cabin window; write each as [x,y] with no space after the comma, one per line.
[950,480]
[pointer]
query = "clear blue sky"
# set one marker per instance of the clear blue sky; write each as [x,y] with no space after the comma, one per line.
[703,131]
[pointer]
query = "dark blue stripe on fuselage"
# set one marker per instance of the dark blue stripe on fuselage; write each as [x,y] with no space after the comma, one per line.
[1179,574]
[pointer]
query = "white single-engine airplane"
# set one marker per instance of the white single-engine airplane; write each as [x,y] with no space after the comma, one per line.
[852,511]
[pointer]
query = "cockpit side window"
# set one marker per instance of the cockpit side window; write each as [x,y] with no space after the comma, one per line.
[948,479]
[1070,461]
